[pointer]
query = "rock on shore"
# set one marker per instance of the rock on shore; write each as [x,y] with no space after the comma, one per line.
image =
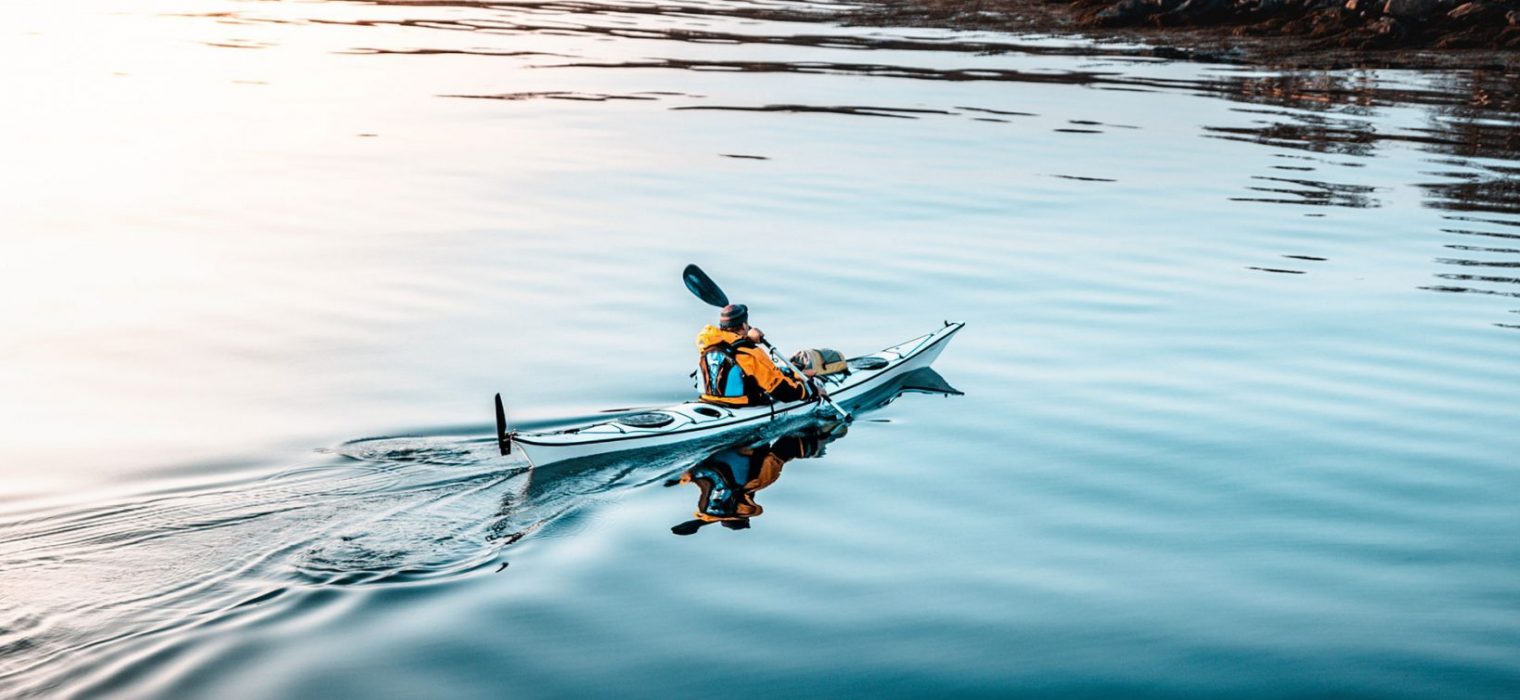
[1358,24]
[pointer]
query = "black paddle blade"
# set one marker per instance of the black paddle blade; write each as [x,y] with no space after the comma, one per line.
[703,286]
[503,440]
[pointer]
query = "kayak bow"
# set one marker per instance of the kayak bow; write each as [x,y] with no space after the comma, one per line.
[696,420]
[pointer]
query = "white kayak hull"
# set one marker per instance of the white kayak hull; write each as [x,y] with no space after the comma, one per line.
[700,421]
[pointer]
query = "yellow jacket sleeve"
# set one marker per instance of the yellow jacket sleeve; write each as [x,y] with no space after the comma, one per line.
[757,364]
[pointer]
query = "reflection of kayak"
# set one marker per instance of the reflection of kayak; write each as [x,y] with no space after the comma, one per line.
[696,420]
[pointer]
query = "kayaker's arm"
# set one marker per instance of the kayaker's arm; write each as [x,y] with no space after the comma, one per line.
[788,390]
[757,337]
[770,378]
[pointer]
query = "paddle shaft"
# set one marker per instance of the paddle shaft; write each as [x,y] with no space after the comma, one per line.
[818,389]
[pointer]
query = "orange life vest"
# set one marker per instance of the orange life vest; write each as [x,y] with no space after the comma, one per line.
[733,372]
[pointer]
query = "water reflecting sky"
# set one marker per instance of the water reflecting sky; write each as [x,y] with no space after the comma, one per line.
[1239,364]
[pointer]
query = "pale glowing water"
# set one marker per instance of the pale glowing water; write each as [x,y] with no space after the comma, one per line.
[1240,364]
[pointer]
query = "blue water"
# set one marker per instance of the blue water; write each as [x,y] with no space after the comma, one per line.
[1239,369]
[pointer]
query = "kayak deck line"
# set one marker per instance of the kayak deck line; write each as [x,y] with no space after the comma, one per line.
[697,419]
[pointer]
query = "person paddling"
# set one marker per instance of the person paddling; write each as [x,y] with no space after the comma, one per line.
[732,369]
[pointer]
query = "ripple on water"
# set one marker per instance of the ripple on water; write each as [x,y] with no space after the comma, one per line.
[1218,434]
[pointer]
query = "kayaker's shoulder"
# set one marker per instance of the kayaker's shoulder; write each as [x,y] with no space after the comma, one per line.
[712,335]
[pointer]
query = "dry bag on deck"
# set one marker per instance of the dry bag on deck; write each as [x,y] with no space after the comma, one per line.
[822,361]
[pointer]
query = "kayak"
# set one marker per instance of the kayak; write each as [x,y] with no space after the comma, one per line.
[698,420]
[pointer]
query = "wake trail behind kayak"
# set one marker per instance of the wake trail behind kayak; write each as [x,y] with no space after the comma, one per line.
[165,566]
[368,512]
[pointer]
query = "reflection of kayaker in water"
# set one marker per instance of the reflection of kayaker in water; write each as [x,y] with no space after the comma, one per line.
[730,477]
[732,369]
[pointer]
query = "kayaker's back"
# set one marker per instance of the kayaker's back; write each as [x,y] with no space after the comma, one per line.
[733,371]
[722,374]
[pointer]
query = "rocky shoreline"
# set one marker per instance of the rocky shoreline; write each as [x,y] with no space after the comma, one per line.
[1351,24]
[1405,33]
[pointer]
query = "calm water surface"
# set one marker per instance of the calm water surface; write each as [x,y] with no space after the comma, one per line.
[1240,369]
